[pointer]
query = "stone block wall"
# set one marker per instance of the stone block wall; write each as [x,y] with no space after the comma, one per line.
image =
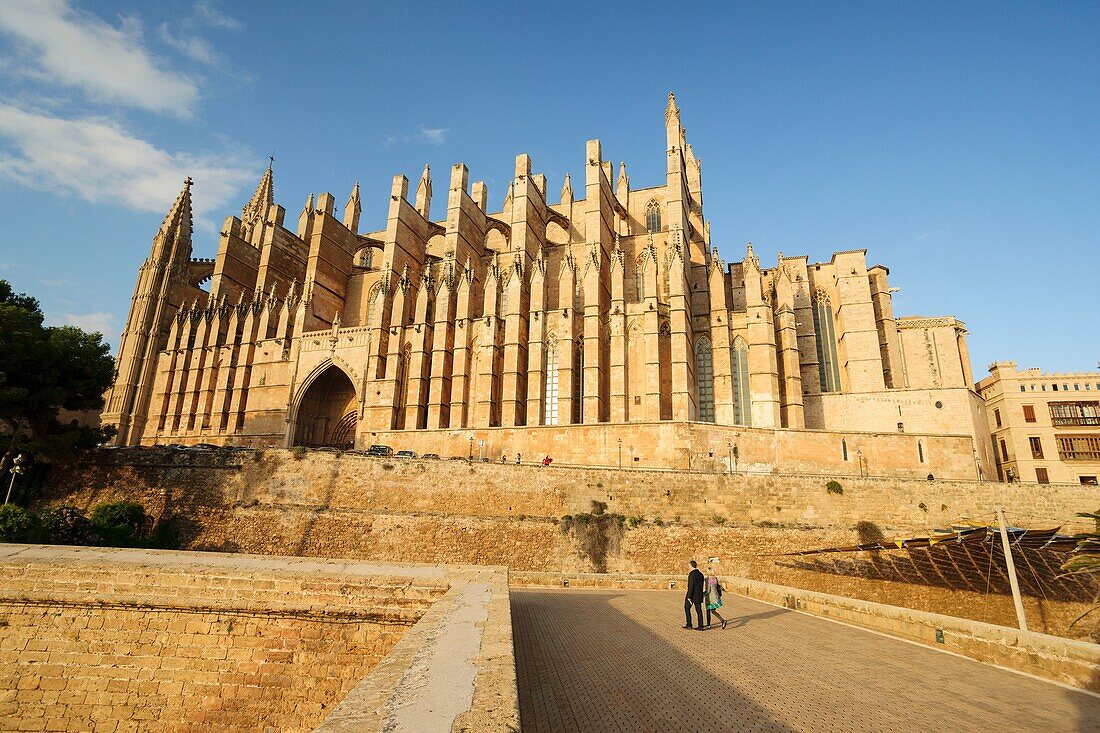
[110,645]
[343,505]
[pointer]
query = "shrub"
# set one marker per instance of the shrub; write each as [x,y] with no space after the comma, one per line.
[298,452]
[834,487]
[635,521]
[599,507]
[17,524]
[66,525]
[659,522]
[718,519]
[119,523]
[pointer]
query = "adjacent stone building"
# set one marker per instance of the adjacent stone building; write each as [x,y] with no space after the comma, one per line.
[1045,427]
[606,307]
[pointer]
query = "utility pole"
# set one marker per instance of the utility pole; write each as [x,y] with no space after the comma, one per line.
[1016,599]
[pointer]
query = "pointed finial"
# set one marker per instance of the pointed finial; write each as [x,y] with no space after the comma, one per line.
[671,109]
[261,200]
[187,182]
[424,193]
[566,191]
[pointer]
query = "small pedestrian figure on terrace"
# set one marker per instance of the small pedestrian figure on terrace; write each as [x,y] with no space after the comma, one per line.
[503,458]
[517,459]
[694,596]
[713,596]
[546,461]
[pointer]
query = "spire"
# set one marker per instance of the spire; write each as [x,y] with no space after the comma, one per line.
[352,209]
[566,192]
[508,198]
[622,186]
[672,110]
[674,133]
[303,218]
[174,235]
[424,193]
[261,200]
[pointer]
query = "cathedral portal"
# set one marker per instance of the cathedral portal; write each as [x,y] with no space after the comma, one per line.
[327,414]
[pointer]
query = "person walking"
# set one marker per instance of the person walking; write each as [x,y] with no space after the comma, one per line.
[694,596]
[517,459]
[546,461]
[712,591]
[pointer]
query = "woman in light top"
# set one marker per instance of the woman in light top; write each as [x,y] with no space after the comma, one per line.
[712,591]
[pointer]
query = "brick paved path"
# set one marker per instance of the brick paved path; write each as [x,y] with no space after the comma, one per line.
[619,661]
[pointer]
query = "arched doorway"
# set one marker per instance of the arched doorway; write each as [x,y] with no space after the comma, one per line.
[327,412]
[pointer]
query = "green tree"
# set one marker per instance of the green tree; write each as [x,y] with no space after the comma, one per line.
[45,369]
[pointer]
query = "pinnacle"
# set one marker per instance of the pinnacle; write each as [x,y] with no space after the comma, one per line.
[179,218]
[261,200]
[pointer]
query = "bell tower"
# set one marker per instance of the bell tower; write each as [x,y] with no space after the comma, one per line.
[156,299]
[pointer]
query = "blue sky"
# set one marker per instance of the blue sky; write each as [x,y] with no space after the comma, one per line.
[958,143]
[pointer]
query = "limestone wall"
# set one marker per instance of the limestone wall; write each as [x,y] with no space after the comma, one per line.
[342,505]
[145,641]
[705,447]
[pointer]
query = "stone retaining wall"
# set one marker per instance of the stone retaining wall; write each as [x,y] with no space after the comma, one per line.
[94,639]
[343,505]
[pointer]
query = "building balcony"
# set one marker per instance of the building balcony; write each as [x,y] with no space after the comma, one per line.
[1079,421]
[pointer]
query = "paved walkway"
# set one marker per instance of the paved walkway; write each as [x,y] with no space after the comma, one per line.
[619,661]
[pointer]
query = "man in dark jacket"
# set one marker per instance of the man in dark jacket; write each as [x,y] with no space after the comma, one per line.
[694,596]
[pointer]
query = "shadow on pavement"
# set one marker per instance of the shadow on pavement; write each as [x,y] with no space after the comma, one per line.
[583,665]
[739,621]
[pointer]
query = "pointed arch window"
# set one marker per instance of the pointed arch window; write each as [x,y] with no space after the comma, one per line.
[502,301]
[639,279]
[825,336]
[550,404]
[704,378]
[742,403]
[653,217]
[372,301]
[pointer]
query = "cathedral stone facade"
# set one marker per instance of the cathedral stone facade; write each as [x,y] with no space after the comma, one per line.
[563,326]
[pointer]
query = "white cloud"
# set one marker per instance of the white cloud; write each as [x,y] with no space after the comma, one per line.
[195,48]
[101,162]
[77,49]
[429,135]
[433,135]
[98,321]
[212,16]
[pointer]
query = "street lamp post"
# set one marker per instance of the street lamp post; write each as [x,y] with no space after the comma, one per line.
[18,468]
[729,447]
[620,453]
[859,458]
[471,449]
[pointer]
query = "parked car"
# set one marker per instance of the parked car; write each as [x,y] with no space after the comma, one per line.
[405,454]
[431,457]
[380,450]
